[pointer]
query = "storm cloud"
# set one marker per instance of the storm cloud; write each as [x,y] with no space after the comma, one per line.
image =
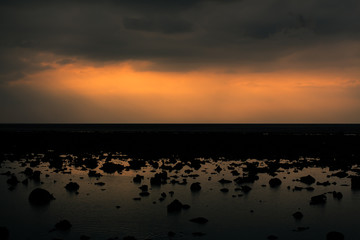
[178,35]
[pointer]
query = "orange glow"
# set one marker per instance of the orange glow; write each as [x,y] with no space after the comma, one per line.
[201,96]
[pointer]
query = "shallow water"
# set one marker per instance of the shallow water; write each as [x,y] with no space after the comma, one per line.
[262,212]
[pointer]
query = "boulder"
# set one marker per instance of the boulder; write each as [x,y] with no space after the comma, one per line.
[195,187]
[72,186]
[40,196]
[275,182]
[335,236]
[4,233]
[319,199]
[298,215]
[307,179]
[175,206]
[63,225]
[355,183]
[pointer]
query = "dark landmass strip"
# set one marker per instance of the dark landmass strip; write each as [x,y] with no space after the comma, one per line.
[335,143]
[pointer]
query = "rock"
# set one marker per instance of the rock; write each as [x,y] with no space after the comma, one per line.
[224,190]
[199,220]
[159,178]
[175,206]
[94,174]
[300,229]
[25,182]
[218,169]
[4,233]
[298,215]
[245,189]
[40,196]
[163,195]
[195,187]
[335,236]
[63,225]
[72,186]
[171,193]
[355,183]
[171,234]
[337,195]
[28,172]
[272,237]
[327,183]
[99,183]
[144,188]
[110,167]
[144,194]
[340,174]
[138,178]
[319,199]
[13,181]
[275,182]
[307,180]
[224,181]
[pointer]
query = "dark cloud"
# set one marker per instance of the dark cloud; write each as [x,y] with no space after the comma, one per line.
[174,35]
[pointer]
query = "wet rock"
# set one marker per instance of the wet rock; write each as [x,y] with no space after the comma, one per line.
[224,181]
[195,187]
[93,173]
[298,215]
[235,173]
[246,189]
[28,172]
[319,199]
[337,195]
[355,183]
[110,167]
[218,169]
[171,234]
[138,178]
[72,186]
[307,179]
[144,188]
[198,234]
[341,174]
[63,225]
[224,190]
[84,237]
[144,194]
[199,220]
[99,183]
[4,233]
[136,199]
[327,183]
[335,236]
[40,196]
[159,178]
[175,206]
[13,181]
[275,182]
[272,237]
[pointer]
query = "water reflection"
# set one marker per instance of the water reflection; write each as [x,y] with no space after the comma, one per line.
[248,209]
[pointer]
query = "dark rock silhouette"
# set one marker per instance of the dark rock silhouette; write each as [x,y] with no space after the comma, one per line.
[110,167]
[319,199]
[224,181]
[272,237]
[224,190]
[335,236]
[28,172]
[138,178]
[195,187]
[185,206]
[199,220]
[337,195]
[63,225]
[327,183]
[13,181]
[171,234]
[40,196]
[307,180]
[175,206]
[93,173]
[36,176]
[72,186]
[298,215]
[84,237]
[144,188]
[159,178]
[355,183]
[275,182]
[245,189]
[144,194]
[100,184]
[129,238]
[4,233]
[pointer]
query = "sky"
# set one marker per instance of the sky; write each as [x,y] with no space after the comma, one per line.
[188,61]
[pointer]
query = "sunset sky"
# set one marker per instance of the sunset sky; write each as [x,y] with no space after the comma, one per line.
[188,61]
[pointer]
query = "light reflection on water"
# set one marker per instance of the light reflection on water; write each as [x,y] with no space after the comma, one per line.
[93,211]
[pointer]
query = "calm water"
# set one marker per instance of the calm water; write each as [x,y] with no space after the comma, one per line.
[262,212]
